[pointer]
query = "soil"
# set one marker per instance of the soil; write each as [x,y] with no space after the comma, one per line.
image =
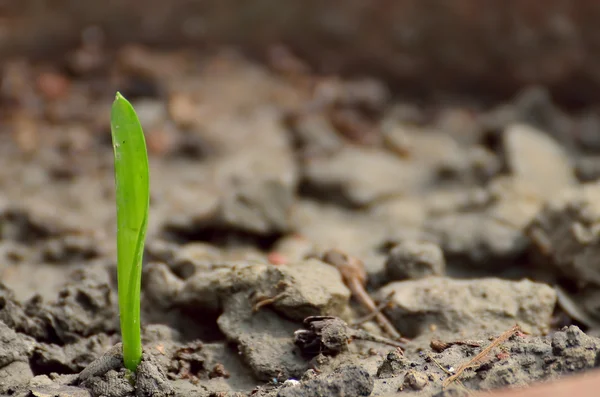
[460,221]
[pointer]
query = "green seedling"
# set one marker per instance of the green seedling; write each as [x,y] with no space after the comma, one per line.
[132,185]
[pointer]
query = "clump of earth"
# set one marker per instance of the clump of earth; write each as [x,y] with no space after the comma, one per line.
[451,226]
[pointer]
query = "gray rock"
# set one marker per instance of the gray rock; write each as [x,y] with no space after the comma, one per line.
[362,176]
[14,346]
[415,380]
[415,259]
[566,234]
[518,361]
[265,334]
[264,339]
[257,205]
[311,288]
[567,351]
[14,377]
[486,227]
[469,307]
[577,350]
[486,232]
[346,381]
[305,288]
[477,238]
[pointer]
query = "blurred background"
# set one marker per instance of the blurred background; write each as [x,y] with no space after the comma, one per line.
[490,49]
[267,120]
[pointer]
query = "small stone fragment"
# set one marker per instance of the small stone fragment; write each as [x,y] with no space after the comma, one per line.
[325,335]
[577,350]
[477,238]
[415,259]
[415,380]
[394,363]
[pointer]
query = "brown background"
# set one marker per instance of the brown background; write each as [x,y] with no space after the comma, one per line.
[485,47]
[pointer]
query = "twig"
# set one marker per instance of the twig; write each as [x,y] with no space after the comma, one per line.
[439,345]
[355,277]
[366,336]
[501,339]
[440,366]
[267,301]
[372,315]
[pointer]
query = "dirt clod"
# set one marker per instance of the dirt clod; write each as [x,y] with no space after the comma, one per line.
[346,381]
[566,232]
[14,378]
[325,335]
[264,339]
[71,358]
[14,346]
[151,380]
[393,364]
[469,306]
[415,380]
[110,384]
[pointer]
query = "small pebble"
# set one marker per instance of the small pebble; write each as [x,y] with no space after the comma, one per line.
[415,380]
